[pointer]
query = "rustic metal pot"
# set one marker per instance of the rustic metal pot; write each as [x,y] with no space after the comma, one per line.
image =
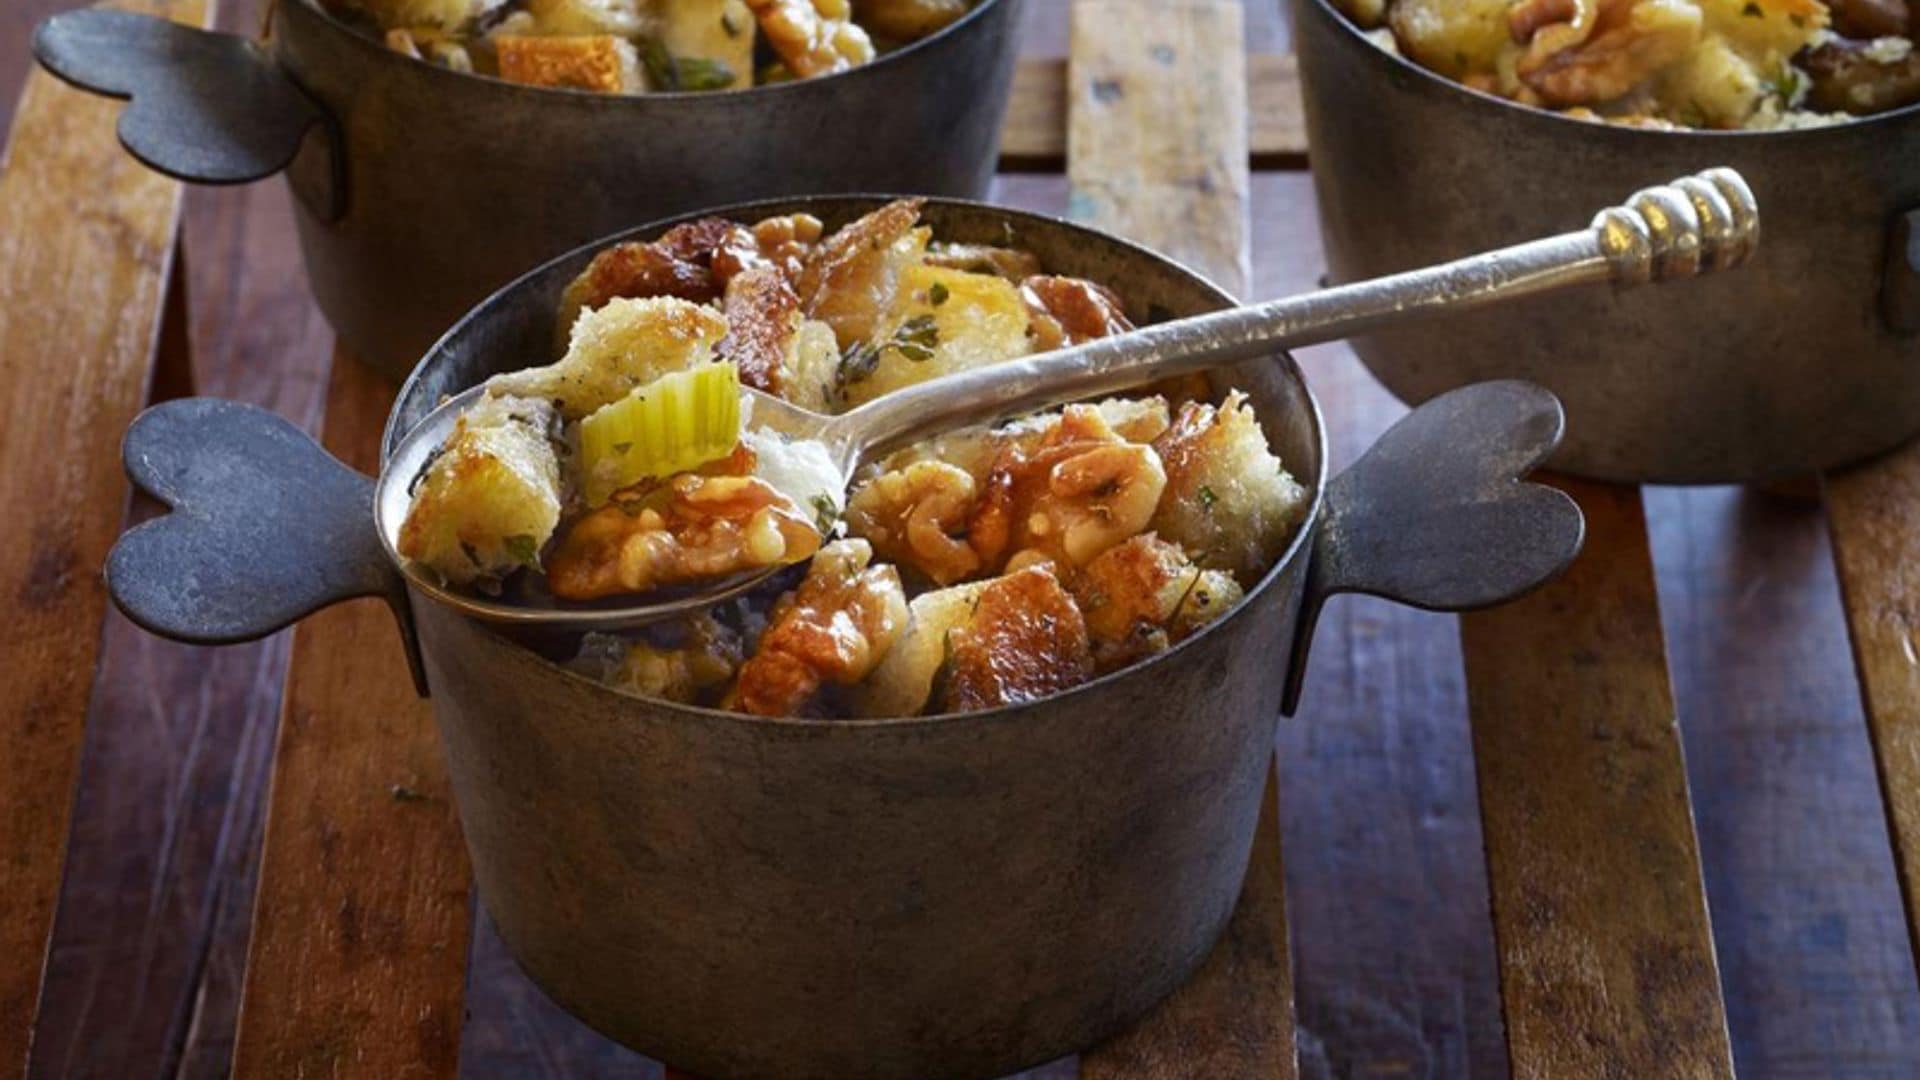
[420,190]
[954,896]
[1808,359]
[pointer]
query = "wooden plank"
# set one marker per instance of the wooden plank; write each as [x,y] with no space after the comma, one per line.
[1157,106]
[1157,133]
[1873,515]
[86,245]
[1607,961]
[358,960]
[1034,136]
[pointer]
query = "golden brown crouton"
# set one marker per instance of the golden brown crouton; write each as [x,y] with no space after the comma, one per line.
[1025,640]
[617,347]
[491,499]
[1229,501]
[599,62]
[848,281]
[1145,595]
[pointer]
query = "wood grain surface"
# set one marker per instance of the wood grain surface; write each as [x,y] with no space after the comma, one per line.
[1035,135]
[1874,516]
[1396,971]
[79,316]
[359,949]
[1607,961]
[1157,129]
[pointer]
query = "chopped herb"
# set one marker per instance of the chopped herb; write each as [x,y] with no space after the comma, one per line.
[622,447]
[1784,81]
[825,513]
[700,73]
[856,364]
[524,549]
[916,338]
[1207,497]
[472,555]
[937,295]
[668,72]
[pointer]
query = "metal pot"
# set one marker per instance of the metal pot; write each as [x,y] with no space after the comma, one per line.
[951,896]
[1807,360]
[421,190]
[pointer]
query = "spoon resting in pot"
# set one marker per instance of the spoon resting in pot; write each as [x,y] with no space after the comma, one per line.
[1694,225]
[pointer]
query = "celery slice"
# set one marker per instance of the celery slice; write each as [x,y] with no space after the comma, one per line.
[677,422]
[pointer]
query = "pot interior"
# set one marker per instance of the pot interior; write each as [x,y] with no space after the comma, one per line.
[516,328]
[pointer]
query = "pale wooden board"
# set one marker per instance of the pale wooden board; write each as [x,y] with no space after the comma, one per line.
[1606,957]
[1873,517]
[357,966]
[1157,129]
[1157,111]
[86,246]
[1035,133]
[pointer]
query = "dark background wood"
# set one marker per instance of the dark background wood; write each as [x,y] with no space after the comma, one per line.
[1387,881]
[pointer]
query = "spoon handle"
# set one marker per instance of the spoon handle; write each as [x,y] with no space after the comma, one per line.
[1691,226]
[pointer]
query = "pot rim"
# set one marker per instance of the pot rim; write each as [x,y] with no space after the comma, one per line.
[1298,546]
[595,99]
[1325,9]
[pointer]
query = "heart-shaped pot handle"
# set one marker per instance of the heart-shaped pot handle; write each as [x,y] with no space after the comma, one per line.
[203,107]
[1436,513]
[265,528]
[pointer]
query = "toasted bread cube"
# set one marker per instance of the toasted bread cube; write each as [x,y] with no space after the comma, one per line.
[848,280]
[488,504]
[617,347]
[600,63]
[1454,37]
[942,321]
[1229,502]
[1145,595]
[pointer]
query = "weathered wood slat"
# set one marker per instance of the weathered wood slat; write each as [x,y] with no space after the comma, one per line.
[1156,129]
[357,965]
[1873,516]
[86,245]
[1606,957]
[1156,107]
[1035,133]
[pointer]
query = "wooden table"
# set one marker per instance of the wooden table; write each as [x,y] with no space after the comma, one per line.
[1492,862]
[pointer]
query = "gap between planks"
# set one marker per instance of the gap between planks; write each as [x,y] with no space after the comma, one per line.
[1607,964]
[86,248]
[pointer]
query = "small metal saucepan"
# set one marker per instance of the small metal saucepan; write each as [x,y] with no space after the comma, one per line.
[420,190]
[949,896]
[1811,358]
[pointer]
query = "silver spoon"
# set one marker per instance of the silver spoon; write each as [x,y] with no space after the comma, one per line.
[1694,225]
